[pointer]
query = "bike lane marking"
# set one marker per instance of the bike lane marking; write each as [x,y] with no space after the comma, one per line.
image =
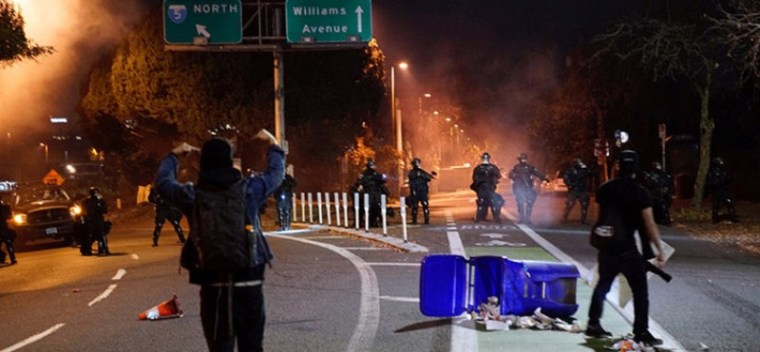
[462,338]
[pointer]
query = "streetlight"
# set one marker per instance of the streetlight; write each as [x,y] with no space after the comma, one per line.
[396,121]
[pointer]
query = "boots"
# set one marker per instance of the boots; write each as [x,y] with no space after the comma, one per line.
[156,233]
[426,213]
[414,215]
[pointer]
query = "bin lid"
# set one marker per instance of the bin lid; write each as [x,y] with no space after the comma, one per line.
[443,285]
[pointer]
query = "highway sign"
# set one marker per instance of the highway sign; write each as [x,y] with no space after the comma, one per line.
[328,21]
[203,22]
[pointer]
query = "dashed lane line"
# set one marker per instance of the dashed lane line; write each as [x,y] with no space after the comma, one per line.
[103,295]
[33,338]
[119,274]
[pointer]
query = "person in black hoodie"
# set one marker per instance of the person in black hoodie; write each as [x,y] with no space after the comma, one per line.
[246,325]
[634,205]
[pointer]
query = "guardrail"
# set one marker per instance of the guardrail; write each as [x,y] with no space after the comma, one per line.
[340,206]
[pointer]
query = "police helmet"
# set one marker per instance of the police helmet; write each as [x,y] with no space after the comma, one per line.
[523,157]
[718,161]
[416,162]
[579,163]
[656,165]
[94,191]
[485,157]
[371,164]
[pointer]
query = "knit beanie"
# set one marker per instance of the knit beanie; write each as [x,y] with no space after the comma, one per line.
[216,154]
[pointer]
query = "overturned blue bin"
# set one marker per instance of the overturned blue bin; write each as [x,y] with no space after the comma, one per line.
[451,285]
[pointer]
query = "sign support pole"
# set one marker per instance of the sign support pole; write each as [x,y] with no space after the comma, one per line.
[279,99]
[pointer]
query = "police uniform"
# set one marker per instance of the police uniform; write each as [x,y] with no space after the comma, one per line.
[485,177]
[719,187]
[576,178]
[95,209]
[372,183]
[418,190]
[165,211]
[284,198]
[7,234]
[660,187]
[522,175]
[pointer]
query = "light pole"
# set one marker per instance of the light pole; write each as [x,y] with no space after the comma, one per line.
[396,122]
[45,146]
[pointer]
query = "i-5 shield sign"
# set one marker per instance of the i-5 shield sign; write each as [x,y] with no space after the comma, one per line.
[203,21]
[328,21]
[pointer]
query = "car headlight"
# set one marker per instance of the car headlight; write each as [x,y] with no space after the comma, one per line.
[19,219]
[75,210]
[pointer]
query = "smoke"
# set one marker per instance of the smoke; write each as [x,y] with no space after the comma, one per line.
[80,31]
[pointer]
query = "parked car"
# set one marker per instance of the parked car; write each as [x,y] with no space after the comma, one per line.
[45,213]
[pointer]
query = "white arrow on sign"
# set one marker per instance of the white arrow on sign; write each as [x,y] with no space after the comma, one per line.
[202,31]
[359,13]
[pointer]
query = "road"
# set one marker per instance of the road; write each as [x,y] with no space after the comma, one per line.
[331,289]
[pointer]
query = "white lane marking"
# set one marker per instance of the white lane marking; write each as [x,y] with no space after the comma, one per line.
[324,237]
[401,299]
[119,274]
[462,338]
[102,295]
[395,264]
[135,257]
[369,306]
[612,296]
[365,248]
[33,339]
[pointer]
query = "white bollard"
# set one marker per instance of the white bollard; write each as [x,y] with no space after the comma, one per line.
[337,209]
[383,213]
[303,208]
[366,212]
[319,206]
[345,210]
[356,210]
[293,206]
[402,210]
[327,208]
[311,210]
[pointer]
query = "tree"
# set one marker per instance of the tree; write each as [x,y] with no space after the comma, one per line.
[676,48]
[14,45]
[738,26]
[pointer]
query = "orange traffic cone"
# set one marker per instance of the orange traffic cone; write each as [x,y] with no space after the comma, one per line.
[165,310]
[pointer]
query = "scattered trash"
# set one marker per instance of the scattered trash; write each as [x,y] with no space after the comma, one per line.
[76,290]
[704,347]
[488,318]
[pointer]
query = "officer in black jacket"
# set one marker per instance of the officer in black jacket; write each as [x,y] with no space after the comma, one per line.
[284,198]
[718,185]
[95,209]
[418,190]
[660,186]
[485,177]
[7,234]
[165,211]
[522,176]
[372,183]
[576,178]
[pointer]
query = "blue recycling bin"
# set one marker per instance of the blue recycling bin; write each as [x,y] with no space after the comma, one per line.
[451,285]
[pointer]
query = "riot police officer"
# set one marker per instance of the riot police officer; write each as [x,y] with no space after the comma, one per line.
[372,183]
[718,185]
[284,199]
[576,177]
[7,234]
[165,211]
[522,176]
[95,209]
[660,187]
[418,190]
[485,177]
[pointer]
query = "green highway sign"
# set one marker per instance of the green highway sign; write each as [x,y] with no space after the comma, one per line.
[203,22]
[328,21]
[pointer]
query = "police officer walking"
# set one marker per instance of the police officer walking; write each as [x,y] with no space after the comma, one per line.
[7,234]
[718,185]
[284,198]
[522,176]
[165,211]
[95,209]
[660,186]
[418,190]
[485,177]
[372,183]
[576,177]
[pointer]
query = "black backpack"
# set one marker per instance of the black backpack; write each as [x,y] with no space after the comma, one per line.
[218,241]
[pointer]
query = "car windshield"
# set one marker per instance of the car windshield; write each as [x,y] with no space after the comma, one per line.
[31,195]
